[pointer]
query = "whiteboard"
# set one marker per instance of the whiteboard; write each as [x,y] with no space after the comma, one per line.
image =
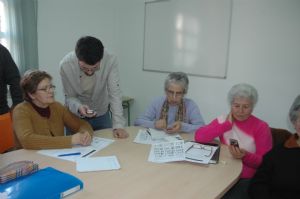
[191,36]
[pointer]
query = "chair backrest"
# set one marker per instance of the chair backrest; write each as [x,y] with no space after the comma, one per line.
[6,133]
[279,135]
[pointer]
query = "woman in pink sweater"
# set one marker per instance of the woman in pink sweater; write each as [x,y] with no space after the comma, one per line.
[252,135]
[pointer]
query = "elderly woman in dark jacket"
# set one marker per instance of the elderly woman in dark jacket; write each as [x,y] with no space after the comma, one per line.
[278,176]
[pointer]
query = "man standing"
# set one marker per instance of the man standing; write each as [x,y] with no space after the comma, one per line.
[90,80]
[9,76]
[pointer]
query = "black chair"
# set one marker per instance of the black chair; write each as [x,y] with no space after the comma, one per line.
[279,135]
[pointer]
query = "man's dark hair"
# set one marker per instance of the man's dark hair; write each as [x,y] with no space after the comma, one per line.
[89,50]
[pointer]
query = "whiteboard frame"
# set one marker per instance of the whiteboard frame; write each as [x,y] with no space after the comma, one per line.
[148,68]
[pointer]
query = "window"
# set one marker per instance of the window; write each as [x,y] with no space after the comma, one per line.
[3,25]
[18,31]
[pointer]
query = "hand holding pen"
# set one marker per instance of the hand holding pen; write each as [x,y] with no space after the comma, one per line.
[82,138]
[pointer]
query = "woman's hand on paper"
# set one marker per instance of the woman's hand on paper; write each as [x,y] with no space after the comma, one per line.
[84,138]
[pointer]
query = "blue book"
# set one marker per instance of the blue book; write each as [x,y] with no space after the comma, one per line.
[47,183]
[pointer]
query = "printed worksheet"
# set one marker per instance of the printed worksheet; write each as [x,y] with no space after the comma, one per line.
[72,154]
[167,152]
[150,136]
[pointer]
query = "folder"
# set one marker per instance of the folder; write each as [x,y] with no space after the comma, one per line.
[47,183]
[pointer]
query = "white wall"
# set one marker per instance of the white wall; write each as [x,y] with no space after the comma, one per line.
[264,51]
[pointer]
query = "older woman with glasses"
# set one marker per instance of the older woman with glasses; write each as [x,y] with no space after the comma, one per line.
[173,112]
[39,121]
[278,175]
[248,138]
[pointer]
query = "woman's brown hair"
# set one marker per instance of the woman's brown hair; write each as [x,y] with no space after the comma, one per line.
[30,82]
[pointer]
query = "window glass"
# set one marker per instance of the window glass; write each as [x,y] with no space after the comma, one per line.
[3,25]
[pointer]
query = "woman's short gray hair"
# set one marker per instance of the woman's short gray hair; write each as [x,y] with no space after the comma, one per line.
[179,78]
[243,90]
[294,112]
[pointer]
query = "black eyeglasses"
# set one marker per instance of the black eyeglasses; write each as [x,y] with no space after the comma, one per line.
[205,150]
[49,88]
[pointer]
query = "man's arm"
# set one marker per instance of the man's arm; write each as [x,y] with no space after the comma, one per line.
[115,96]
[12,77]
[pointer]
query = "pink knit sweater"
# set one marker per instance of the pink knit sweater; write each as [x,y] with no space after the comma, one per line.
[252,134]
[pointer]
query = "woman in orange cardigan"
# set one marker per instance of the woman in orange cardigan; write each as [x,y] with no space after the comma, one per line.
[39,121]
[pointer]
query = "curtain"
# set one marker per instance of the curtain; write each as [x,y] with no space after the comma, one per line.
[22,34]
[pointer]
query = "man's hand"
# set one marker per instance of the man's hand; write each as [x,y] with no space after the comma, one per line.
[175,128]
[161,124]
[120,133]
[83,110]
[84,138]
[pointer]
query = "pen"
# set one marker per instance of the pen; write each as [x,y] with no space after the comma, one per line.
[69,154]
[92,151]
[147,130]
[189,148]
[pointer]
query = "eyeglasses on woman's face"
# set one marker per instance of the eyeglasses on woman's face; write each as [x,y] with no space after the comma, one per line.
[47,88]
[174,94]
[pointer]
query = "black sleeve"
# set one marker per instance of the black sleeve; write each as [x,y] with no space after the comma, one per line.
[259,187]
[12,77]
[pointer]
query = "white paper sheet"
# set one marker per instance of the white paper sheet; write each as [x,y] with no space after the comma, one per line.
[154,136]
[97,164]
[167,152]
[87,151]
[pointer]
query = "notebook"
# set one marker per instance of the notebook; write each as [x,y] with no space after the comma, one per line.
[47,183]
